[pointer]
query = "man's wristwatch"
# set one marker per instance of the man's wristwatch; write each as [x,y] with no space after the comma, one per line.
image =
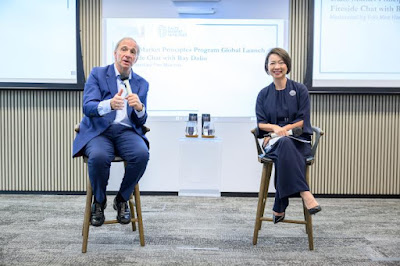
[142,108]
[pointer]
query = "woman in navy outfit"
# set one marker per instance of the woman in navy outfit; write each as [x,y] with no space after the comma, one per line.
[282,106]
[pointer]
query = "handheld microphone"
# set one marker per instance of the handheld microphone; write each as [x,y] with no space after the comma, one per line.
[125,79]
[295,132]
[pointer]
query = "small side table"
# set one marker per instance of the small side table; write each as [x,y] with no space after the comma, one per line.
[200,166]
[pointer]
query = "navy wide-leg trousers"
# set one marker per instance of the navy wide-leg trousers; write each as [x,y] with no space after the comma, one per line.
[289,157]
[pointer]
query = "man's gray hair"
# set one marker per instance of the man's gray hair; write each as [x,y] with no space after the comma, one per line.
[128,38]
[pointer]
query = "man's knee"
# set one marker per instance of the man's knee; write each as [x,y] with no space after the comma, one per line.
[137,156]
[143,156]
[99,159]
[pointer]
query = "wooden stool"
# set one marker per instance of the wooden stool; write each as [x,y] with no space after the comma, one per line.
[263,194]
[89,198]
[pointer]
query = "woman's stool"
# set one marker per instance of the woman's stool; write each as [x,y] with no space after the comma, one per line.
[265,178]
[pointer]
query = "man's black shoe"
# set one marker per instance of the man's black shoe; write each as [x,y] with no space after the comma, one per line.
[123,213]
[97,218]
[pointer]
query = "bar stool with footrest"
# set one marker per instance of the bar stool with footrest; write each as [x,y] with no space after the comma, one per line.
[132,206]
[265,180]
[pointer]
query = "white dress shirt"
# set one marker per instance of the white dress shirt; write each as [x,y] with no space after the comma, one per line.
[121,117]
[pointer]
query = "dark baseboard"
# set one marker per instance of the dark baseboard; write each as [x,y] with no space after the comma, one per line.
[223,194]
[159,193]
[151,193]
[251,194]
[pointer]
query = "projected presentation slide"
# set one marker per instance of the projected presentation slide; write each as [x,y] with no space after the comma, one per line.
[38,41]
[211,66]
[356,44]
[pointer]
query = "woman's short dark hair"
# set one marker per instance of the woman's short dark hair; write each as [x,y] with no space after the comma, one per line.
[283,54]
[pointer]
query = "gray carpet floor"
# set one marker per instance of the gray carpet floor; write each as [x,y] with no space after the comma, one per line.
[46,230]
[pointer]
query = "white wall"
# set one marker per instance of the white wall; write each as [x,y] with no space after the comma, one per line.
[243,9]
[240,170]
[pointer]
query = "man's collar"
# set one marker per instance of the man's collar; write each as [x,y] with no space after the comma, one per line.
[118,74]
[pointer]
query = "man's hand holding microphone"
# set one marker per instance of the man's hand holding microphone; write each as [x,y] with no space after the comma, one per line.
[117,102]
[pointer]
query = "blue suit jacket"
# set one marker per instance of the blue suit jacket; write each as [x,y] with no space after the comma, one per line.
[102,85]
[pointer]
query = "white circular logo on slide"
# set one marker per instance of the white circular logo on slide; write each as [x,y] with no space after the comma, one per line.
[292,93]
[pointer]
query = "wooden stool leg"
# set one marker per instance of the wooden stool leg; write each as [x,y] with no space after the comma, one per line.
[305,213]
[309,229]
[139,214]
[307,216]
[86,219]
[132,212]
[266,172]
[267,178]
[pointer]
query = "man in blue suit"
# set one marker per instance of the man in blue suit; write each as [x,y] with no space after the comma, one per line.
[114,114]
